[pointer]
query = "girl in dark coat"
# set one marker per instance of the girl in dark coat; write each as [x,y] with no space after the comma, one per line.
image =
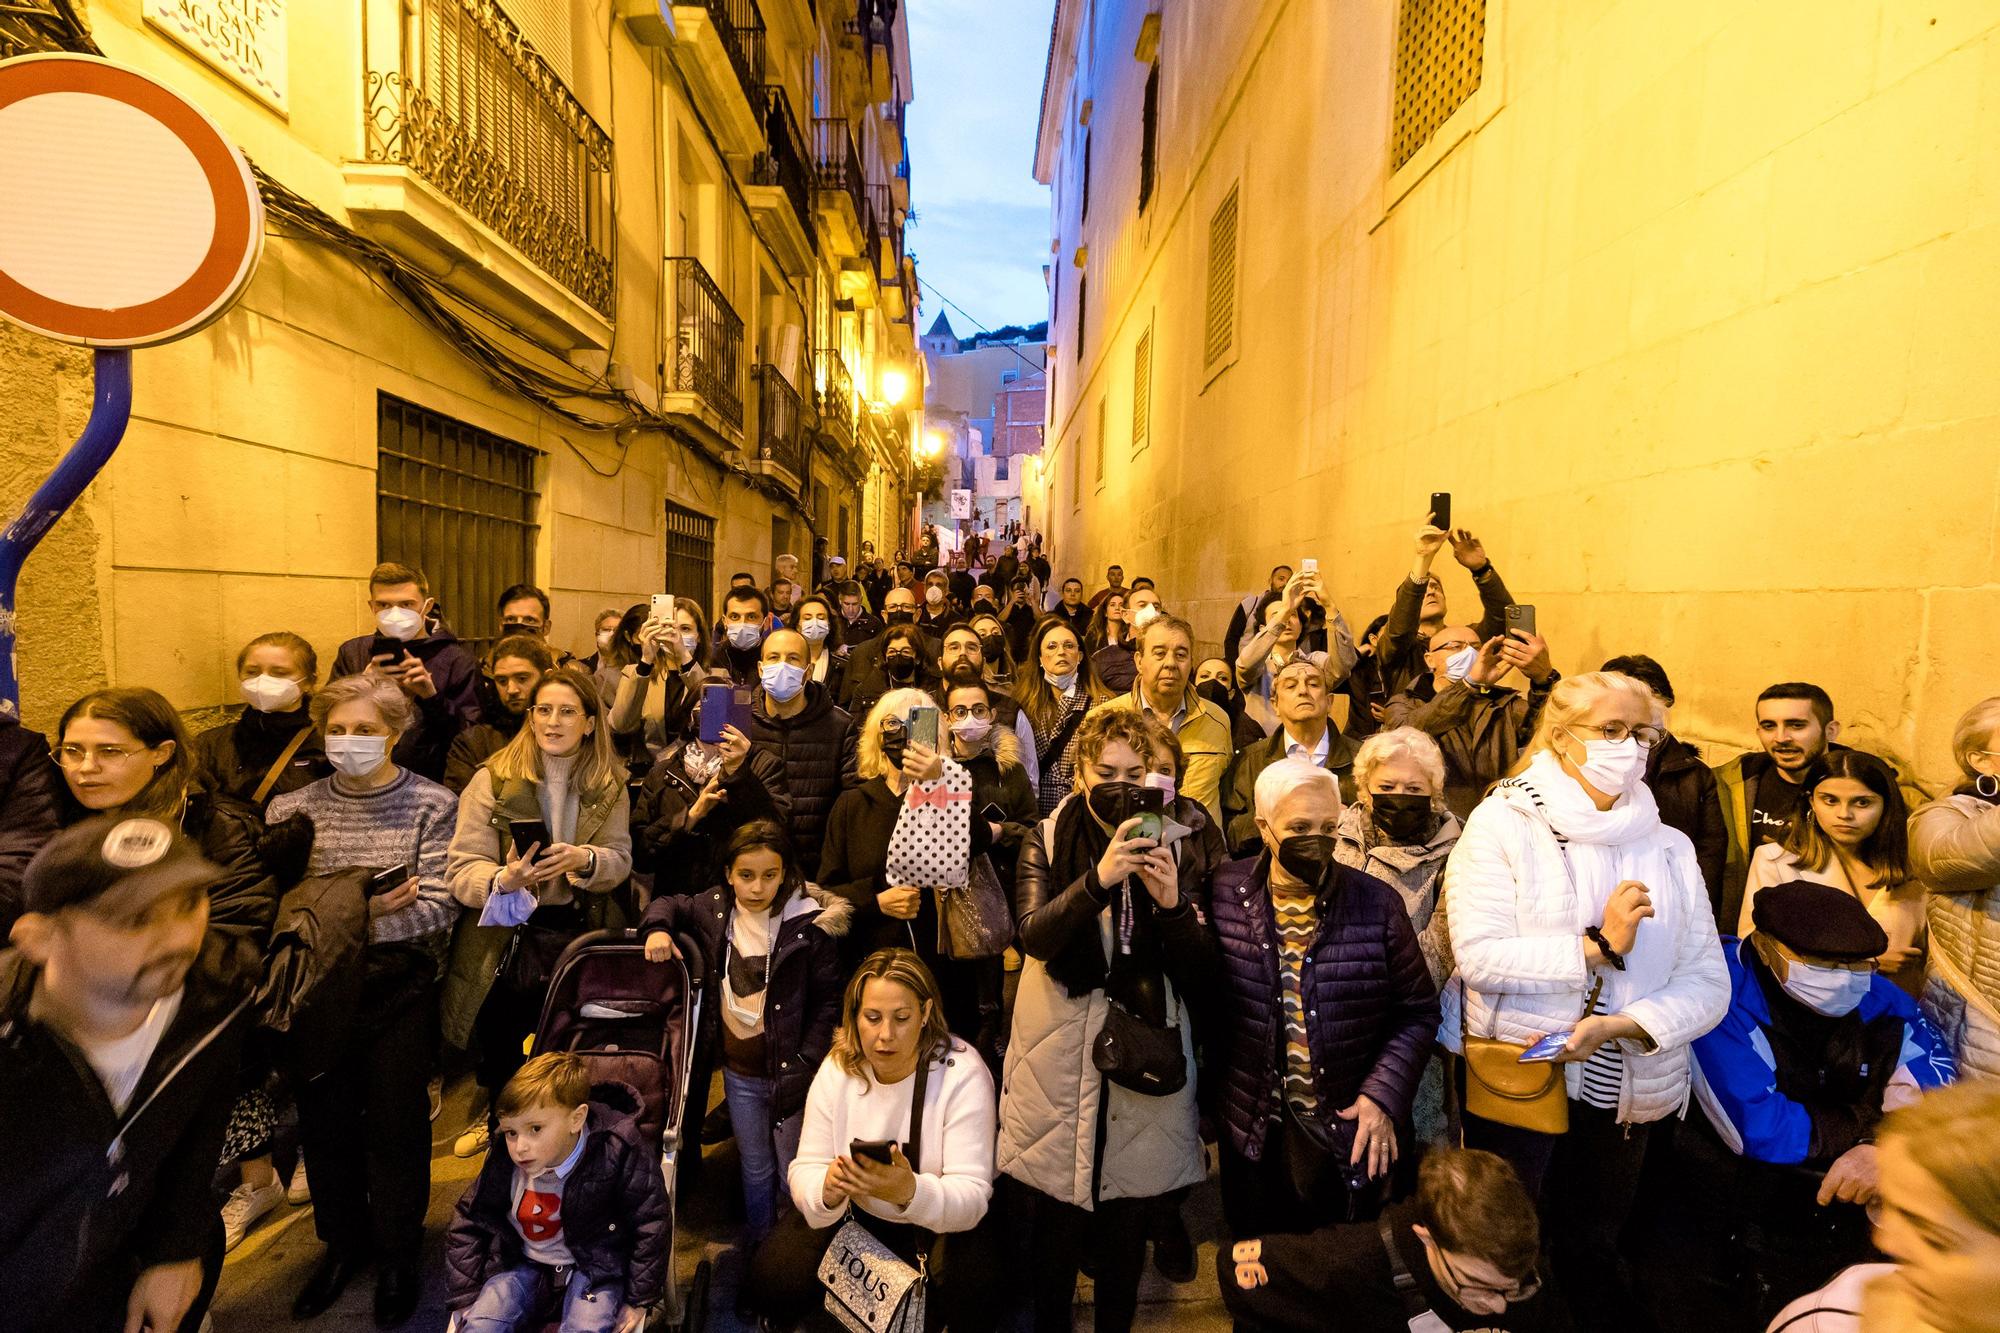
[773,997]
[271,748]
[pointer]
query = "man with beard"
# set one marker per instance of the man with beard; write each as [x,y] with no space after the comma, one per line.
[1763,791]
[518,665]
[962,661]
[121,1018]
[1165,691]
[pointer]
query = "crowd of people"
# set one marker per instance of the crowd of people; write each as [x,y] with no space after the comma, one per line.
[1011,902]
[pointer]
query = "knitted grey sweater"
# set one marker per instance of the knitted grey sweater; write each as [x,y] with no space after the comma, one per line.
[410,821]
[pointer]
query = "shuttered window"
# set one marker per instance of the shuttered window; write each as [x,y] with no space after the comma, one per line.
[1142,390]
[1440,60]
[1103,414]
[1219,330]
[545,23]
[460,504]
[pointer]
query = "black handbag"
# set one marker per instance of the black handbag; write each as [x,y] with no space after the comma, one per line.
[1317,1157]
[1138,1055]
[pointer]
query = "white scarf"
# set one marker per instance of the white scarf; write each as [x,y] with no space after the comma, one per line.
[1604,848]
[749,938]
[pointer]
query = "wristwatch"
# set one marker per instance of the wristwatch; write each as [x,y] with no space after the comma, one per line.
[590,873]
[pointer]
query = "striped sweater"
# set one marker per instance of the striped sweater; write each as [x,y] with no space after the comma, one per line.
[1293,913]
[410,821]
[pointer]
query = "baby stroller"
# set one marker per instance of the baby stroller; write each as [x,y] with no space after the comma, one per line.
[635,1022]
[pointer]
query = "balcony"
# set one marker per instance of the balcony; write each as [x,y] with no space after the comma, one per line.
[838,195]
[781,433]
[781,185]
[718,45]
[836,397]
[480,164]
[705,355]
[874,24]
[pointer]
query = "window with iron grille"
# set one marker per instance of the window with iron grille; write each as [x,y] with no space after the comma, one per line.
[691,556]
[1149,137]
[1142,390]
[1440,59]
[1219,330]
[460,504]
[1103,416]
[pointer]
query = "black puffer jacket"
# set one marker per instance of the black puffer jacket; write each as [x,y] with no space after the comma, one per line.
[614,1211]
[1684,788]
[245,901]
[815,751]
[235,757]
[682,858]
[30,804]
[802,1005]
[80,1219]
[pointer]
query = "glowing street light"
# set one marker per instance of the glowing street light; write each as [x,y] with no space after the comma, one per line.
[895,383]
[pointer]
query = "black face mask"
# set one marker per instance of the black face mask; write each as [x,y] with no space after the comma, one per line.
[508,628]
[1112,802]
[1403,819]
[893,748]
[1215,692]
[1306,856]
[898,615]
[990,645]
[899,668]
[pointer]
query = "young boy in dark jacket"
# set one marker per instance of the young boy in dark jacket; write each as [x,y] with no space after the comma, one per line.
[577,1197]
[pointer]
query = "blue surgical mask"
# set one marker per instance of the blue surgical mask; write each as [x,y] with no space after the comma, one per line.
[692,644]
[1062,684]
[744,637]
[782,680]
[814,630]
[1832,991]
[1460,662]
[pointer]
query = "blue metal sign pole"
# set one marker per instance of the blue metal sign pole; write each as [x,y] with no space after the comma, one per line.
[110,411]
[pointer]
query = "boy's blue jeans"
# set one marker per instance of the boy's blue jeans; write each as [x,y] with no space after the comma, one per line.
[513,1299]
[766,1150]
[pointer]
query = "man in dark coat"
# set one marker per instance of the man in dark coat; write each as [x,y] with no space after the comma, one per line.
[862,678]
[121,1019]
[29,784]
[1305,731]
[1419,609]
[518,665]
[1325,1013]
[811,738]
[413,648]
[1684,786]
[857,623]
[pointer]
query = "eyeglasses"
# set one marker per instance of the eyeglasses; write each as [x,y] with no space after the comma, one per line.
[560,712]
[966,711]
[73,756]
[1520,1291]
[1614,732]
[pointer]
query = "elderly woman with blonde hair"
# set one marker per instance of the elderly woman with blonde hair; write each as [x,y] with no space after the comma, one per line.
[1955,851]
[855,855]
[1573,909]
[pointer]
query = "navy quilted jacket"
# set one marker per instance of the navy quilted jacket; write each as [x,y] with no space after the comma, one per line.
[1371,1010]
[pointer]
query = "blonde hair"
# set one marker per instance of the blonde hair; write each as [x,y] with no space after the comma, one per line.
[1400,743]
[907,970]
[556,1079]
[1976,730]
[1103,727]
[598,771]
[868,760]
[1949,1133]
[1574,696]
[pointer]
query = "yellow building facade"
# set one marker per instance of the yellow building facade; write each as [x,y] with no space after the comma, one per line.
[606,296]
[1693,308]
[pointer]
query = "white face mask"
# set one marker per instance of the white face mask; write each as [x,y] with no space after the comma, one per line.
[1832,991]
[357,756]
[782,680]
[814,630]
[744,637]
[934,596]
[1459,663]
[690,643]
[399,622]
[1613,767]
[270,694]
[604,638]
[1145,615]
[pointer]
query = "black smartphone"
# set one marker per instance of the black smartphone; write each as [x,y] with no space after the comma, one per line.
[993,814]
[384,880]
[1441,510]
[715,705]
[382,646]
[527,833]
[1520,618]
[875,1150]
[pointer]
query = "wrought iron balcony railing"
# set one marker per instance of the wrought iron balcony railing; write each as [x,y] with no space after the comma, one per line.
[780,428]
[836,395]
[836,166]
[706,356]
[740,25]
[783,162]
[468,105]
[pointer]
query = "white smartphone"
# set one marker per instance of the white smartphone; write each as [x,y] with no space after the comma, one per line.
[1309,565]
[663,607]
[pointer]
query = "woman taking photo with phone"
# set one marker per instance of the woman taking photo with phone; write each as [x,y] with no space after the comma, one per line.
[365,1125]
[1055,688]
[1572,908]
[1096,1128]
[544,828]
[898,1140]
[891,759]
[659,680]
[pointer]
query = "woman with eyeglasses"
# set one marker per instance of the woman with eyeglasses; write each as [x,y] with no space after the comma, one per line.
[1955,850]
[855,855]
[542,853]
[1572,908]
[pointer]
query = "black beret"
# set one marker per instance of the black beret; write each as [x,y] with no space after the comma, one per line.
[1817,921]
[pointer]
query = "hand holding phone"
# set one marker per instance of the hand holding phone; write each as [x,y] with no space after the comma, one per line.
[1548,1049]
[716,701]
[1520,619]
[1441,510]
[1149,805]
[382,881]
[873,1150]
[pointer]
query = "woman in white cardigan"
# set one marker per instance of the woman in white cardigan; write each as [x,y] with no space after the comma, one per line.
[892,1029]
[1563,879]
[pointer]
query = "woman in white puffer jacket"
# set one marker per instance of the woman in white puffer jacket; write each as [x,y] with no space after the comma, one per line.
[1565,877]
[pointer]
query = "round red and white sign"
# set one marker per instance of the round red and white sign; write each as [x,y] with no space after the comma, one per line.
[127,217]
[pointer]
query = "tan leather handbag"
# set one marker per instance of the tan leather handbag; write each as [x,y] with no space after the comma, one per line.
[1498,1087]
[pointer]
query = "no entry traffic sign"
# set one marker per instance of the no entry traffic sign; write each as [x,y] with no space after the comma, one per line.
[127,218]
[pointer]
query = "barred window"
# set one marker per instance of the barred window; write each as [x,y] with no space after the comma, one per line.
[1440,59]
[691,556]
[460,504]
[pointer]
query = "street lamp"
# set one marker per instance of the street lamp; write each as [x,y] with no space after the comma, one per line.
[895,383]
[933,443]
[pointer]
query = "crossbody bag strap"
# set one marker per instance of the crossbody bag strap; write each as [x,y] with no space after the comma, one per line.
[1407,1291]
[278,765]
[917,1112]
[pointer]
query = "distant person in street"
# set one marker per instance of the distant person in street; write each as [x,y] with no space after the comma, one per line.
[412,648]
[1114,581]
[1763,791]
[1071,608]
[518,665]
[940,609]
[857,623]
[1418,612]
[603,628]
[1305,732]
[271,747]
[524,609]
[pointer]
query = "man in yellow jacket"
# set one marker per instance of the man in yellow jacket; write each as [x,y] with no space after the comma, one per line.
[1163,690]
